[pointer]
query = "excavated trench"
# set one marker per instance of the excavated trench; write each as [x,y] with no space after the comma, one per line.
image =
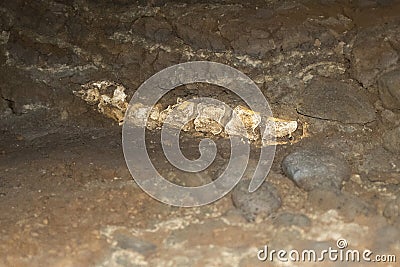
[329,71]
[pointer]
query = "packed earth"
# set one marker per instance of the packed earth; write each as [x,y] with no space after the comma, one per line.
[330,68]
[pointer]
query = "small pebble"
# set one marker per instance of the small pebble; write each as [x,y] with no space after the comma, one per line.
[34,234]
[261,203]
[356,178]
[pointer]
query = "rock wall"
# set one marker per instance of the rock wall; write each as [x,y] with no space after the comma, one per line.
[50,48]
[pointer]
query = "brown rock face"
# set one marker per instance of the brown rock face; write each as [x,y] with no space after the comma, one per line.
[389,89]
[334,100]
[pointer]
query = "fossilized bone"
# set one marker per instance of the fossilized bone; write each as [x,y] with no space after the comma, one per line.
[110,99]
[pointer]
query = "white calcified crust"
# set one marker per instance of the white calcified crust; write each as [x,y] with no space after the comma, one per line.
[188,115]
[209,118]
[112,104]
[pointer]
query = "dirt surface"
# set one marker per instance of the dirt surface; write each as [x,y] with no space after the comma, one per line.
[67,197]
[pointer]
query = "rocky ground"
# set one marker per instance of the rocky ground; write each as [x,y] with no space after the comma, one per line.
[67,197]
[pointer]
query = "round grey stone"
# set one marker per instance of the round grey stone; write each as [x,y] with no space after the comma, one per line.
[262,202]
[334,100]
[389,89]
[316,167]
[391,140]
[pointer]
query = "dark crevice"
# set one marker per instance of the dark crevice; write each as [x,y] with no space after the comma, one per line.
[10,104]
[330,120]
[314,117]
[348,65]
[360,83]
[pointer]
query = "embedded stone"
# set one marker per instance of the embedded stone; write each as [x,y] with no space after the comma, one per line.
[316,167]
[389,89]
[329,99]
